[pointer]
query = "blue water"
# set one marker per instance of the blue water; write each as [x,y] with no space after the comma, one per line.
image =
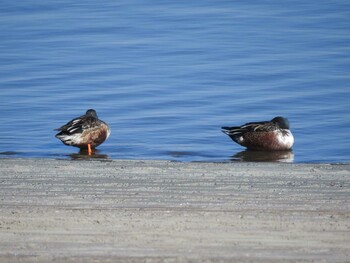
[166,75]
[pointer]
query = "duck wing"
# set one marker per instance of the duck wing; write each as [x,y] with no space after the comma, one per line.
[78,125]
[263,126]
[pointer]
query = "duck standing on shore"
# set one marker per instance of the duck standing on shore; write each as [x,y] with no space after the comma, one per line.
[84,132]
[271,135]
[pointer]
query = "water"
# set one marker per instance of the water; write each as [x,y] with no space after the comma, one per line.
[166,75]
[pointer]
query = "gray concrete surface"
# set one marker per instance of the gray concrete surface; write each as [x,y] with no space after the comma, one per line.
[159,211]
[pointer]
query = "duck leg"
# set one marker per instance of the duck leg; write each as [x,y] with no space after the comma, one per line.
[89,149]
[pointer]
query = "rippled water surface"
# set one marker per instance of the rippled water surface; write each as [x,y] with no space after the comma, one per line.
[166,75]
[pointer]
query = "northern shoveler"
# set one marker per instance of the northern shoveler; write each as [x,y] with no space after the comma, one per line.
[84,132]
[271,135]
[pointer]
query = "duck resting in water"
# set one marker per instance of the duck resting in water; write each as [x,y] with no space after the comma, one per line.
[271,135]
[84,132]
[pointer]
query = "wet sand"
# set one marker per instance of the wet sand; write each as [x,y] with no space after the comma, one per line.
[159,211]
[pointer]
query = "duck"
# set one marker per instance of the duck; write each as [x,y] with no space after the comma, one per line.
[273,135]
[84,132]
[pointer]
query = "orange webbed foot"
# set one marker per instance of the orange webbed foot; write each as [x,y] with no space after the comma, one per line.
[89,149]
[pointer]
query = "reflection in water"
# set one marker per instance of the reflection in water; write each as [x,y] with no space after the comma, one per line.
[8,153]
[83,155]
[179,154]
[264,156]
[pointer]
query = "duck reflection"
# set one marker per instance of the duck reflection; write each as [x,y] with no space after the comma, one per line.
[84,155]
[264,156]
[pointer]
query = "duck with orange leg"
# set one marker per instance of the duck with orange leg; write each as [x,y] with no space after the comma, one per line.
[273,135]
[85,132]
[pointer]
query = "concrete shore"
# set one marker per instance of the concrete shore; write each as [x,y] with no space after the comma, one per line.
[159,211]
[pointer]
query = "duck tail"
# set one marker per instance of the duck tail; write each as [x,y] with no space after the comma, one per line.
[231,130]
